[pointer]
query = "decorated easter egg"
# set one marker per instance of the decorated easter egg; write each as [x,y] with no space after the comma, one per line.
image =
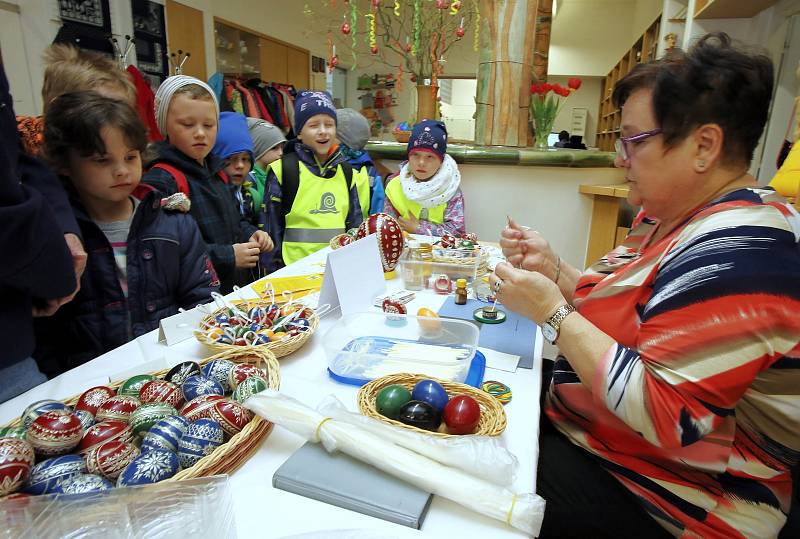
[471,236]
[133,385]
[220,370]
[150,467]
[201,438]
[198,385]
[55,433]
[448,241]
[230,415]
[462,414]
[83,483]
[340,241]
[431,392]
[120,407]
[161,391]
[147,415]
[104,431]
[420,414]
[37,408]
[16,461]
[248,388]
[165,434]
[13,432]
[242,371]
[85,417]
[180,372]
[46,475]
[391,399]
[91,399]
[110,458]
[199,407]
[390,238]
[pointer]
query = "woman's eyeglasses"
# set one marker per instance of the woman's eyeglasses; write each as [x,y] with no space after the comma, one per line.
[621,145]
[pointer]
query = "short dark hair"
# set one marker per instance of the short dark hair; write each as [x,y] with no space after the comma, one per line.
[563,135]
[715,82]
[74,121]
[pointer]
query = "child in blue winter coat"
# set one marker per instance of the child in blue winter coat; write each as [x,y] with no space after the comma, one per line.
[145,260]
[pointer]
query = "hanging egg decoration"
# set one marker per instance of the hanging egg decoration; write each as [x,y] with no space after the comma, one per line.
[346,28]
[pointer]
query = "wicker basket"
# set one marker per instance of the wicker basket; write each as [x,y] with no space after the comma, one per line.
[493,417]
[401,136]
[281,348]
[232,454]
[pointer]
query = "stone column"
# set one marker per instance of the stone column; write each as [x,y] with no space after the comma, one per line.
[509,38]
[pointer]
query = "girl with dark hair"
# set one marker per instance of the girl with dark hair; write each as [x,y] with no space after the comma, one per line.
[145,261]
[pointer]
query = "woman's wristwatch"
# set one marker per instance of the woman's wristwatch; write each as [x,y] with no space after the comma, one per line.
[552,326]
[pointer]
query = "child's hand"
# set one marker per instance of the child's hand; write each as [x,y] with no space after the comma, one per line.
[246,254]
[265,243]
[410,224]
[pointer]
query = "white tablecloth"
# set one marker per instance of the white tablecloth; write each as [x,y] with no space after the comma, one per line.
[262,511]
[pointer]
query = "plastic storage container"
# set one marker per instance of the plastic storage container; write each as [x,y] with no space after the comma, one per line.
[363,346]
[439,272]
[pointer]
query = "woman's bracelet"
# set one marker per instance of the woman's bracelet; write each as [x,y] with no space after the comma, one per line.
[558,269]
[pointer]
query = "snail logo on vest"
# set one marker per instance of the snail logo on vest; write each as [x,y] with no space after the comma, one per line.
[327,204]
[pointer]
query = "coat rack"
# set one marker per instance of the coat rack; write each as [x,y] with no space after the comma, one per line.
[122,55]
[177,60]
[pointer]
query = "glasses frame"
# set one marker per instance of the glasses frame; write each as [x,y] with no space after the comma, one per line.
[621,144]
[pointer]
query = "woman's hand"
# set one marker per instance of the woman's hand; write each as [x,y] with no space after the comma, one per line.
[528,293]
[527,249]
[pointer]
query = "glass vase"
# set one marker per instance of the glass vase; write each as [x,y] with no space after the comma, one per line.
[542,128]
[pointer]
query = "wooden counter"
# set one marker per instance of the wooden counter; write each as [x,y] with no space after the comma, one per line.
[605,230]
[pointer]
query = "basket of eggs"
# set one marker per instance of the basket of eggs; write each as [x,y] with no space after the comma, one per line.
[402,132]
[180,423]
[433,406]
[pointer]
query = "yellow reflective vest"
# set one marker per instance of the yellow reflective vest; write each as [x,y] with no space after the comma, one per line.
[318,213]
[394,191]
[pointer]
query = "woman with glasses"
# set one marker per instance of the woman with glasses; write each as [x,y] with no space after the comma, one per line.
[675,408]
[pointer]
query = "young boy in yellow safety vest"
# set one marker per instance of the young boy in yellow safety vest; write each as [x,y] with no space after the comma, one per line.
[425,197]
[320,191]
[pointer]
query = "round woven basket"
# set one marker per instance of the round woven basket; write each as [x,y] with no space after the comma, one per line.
[401,136]
[493,417]
[280,348]
[232,454]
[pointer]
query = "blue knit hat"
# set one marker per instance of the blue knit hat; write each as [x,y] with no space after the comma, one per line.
[233,136]
[308,104]
[429,136]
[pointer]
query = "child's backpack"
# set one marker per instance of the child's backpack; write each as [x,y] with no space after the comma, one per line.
[180,177]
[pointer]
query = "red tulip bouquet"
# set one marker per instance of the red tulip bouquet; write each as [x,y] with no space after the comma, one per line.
[545,106]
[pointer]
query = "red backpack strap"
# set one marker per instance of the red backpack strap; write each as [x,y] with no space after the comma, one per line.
[177,175]
[223,176]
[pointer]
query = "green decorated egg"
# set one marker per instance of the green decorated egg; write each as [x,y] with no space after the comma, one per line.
[249,387]
[132,385]
[147,415]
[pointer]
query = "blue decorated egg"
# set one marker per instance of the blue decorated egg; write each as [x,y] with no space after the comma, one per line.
[151,467]
[219,370]
[201,439]
[197,385]
[83,483]
[37,408]
[46,475]
[85,417]
[165,434]
[147,415]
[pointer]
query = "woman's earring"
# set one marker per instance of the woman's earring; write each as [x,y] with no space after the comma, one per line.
[701,164]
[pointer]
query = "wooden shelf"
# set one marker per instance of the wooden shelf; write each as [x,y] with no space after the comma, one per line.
[730,9]
[643,50]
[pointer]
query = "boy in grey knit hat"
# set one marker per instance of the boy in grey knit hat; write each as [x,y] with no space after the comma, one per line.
[353,132]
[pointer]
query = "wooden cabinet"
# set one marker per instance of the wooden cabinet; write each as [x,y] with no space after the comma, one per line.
[185,32]
[243,52]
[609,117]
[608,227]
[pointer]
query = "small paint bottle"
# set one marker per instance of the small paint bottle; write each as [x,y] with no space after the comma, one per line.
[461,292]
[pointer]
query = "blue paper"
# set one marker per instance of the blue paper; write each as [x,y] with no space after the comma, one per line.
[517,335]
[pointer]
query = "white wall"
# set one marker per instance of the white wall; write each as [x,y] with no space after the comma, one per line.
[588,97]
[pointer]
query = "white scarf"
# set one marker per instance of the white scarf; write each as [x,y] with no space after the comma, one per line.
[436,191]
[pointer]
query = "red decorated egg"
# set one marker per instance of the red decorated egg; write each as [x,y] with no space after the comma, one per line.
[243,371]
[110,458]
[470,236]
[390,238]
[112,429]
[462,414]
[230,415]
[16,460]
[448,241]
[340,241]
[199,407]
[92,398]
[120,407]
[55,433]
[161,391]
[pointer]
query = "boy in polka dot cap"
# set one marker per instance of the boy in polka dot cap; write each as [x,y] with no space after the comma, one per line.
[425,196]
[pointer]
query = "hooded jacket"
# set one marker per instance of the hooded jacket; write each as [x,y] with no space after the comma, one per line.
[168,268]
[213,208]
